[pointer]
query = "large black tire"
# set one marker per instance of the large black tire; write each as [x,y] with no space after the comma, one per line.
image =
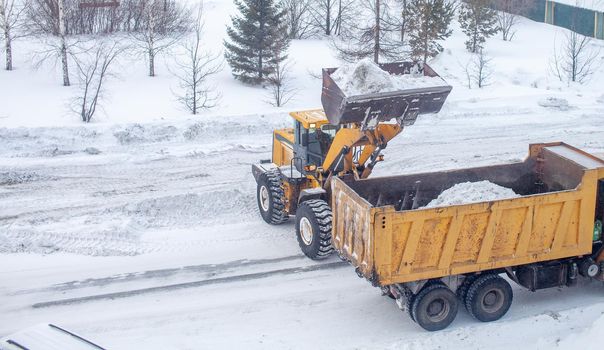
[313,228]
[409,299]
[271,199]
[489,298]
[434,307]
[462,290]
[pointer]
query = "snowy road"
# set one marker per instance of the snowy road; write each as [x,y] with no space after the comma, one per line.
[148,237]
[323,309]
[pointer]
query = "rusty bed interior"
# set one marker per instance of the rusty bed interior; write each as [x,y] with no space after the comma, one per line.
[557,167]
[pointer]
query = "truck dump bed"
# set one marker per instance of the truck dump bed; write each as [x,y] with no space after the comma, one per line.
[379,107]
[376,228]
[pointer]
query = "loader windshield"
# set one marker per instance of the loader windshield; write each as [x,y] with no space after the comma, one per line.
[320,139]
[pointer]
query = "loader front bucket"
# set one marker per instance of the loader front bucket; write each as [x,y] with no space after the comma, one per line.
[371,109]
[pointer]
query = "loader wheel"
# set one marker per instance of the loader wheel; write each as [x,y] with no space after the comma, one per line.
[271,199]
[489,298]
[434,307]
[313,228]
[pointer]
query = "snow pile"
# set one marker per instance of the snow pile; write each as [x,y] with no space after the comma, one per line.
[190,209]
[366,77]
[14,178]
[138,133]
[110,242]
[554,103]
[472,192]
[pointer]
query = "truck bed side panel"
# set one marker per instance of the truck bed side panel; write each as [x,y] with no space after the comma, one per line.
[352,227]
[389,246]
[435,243]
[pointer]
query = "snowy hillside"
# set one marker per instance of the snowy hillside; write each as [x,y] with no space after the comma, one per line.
[141,231]
[34,97]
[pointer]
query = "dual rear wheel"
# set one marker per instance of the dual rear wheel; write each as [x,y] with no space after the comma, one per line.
[486,298]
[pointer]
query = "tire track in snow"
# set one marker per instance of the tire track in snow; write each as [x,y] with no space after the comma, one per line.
[194,284]
[214,269]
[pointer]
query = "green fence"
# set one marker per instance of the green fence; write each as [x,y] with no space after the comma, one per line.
[580,20]
[537,11]
[576,19]
[599,26]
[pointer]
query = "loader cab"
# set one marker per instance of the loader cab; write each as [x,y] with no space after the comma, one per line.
[313,137]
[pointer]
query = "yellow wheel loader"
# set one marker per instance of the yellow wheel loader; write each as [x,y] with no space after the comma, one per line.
[344,139]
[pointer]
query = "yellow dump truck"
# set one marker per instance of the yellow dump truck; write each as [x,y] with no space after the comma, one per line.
[431,260]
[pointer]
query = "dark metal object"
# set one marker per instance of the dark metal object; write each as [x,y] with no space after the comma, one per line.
[314,193]
[542,276]
[14,343]
[369,109]
[589,268]
[261,168]
[75,336]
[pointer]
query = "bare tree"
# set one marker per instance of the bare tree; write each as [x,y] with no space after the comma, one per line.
[93,69]
[57,49]
[46,21]
[163,23]
[507,22]
[574,61]
[11,26]
[402,19]
[63,43]
[508,16]
[333,17]
[479,69]
[280,84]
[298,19]
[468,71]
[194,69]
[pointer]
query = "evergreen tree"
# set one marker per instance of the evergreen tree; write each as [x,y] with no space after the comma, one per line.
[258,40]
[479,22]
[427,22]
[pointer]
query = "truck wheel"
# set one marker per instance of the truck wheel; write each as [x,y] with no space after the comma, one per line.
[271,199]
[489,298]
[434,307]
[313,228]
[462,290]
[410,298]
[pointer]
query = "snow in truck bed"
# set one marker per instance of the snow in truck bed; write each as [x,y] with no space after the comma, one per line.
[472,192]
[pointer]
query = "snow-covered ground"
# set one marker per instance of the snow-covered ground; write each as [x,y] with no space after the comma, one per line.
[141,230]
